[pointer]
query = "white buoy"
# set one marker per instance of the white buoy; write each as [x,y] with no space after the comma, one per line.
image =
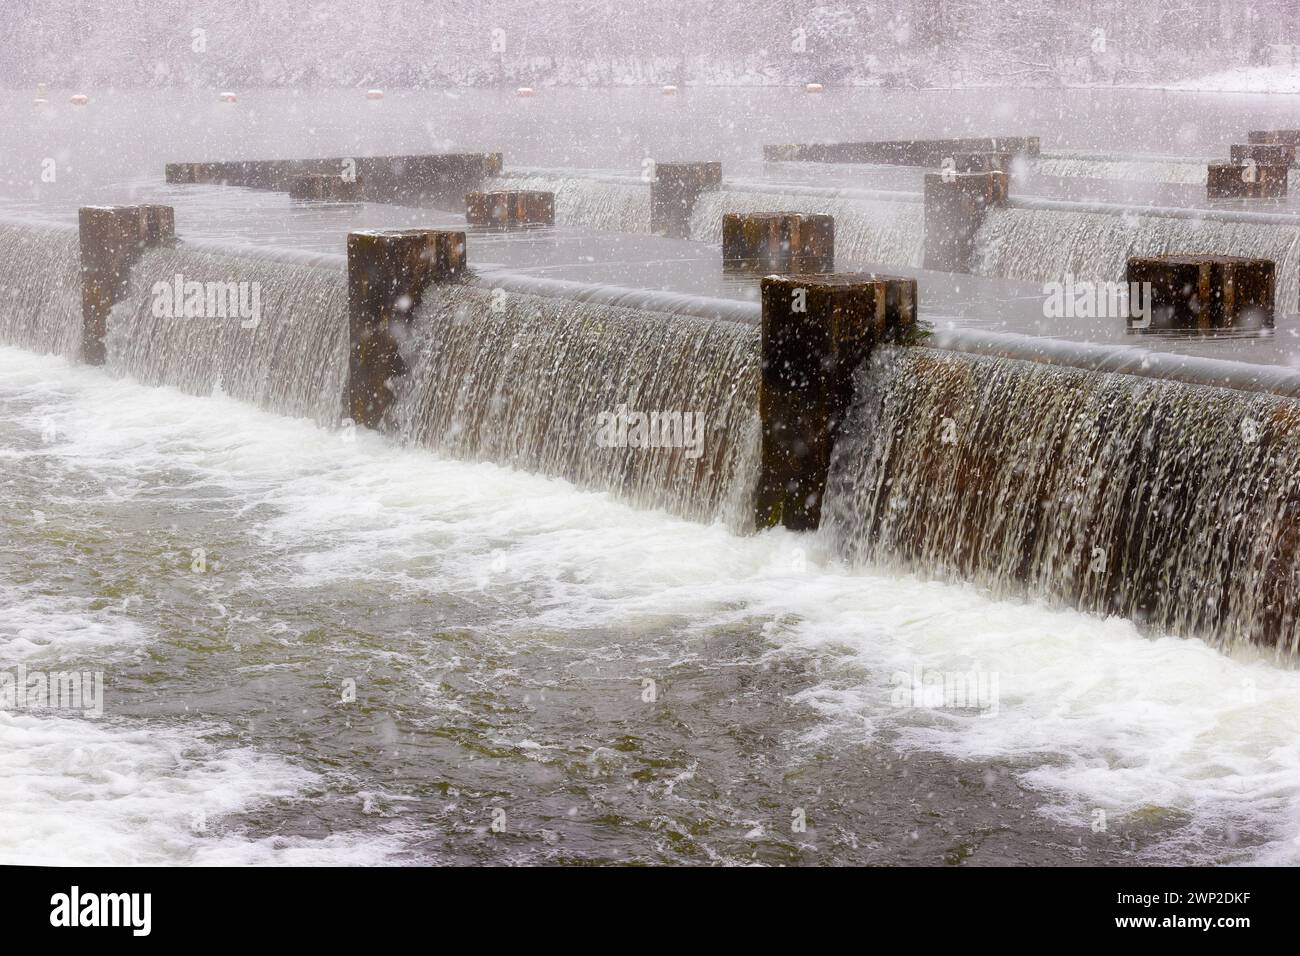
[79,99]
[813,88]
[525,91]
[228,97]
[39,101]
[670,90]
[374,94]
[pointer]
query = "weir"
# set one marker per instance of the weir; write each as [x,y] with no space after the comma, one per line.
[292,360]
[1171,504]
[1154,168]
[511,369]
[440,179]
[908,152]
[1109,454]
[1039,240]
[872,225]
[531,381]
[604,202]
[1022,238]
[40,303]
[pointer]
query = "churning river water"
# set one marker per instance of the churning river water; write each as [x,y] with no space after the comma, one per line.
[318,646]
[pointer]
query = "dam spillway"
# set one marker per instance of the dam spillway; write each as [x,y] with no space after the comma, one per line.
[1092,514]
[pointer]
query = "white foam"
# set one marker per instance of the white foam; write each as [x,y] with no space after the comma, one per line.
[77,790]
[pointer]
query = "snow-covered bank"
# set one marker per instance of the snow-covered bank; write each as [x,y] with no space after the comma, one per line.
[1244,79]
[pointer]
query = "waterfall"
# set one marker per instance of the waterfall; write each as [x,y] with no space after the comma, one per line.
[1043,242]
[871,226]
[1172,504]
[1145,169]
[603,203]
[523,379]
[40,288]
[293,361]
[874,230]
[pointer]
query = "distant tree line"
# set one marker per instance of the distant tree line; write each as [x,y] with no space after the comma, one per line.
[602,42]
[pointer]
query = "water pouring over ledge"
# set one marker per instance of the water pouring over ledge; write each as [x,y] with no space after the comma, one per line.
[502,374]
[522,380]
[1173,505]
[1084,502]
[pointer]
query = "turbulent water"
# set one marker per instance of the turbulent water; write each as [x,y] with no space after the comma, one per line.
[1173,505]
[293,360]
[1044,244]
[866,230]
[603,204]
[623,686]
[40,284]
[521,380]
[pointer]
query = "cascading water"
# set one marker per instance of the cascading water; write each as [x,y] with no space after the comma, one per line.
[1042,244]
[605,204]
[866,230]
[291,358]
[40,288]
[1174,505]
[1130,169]
[522,380]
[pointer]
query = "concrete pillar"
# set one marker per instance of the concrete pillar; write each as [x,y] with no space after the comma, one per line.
[1245,181]
[817,330]
[1264,154]
[322,187]
[388,271]
[250,174]
[983,162]
[434,179]
[506,209]
[778,242]
[1287,137]
[673,192]
[180,173]
[1204,293]
[955,207]
[439,180]
[112,239]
